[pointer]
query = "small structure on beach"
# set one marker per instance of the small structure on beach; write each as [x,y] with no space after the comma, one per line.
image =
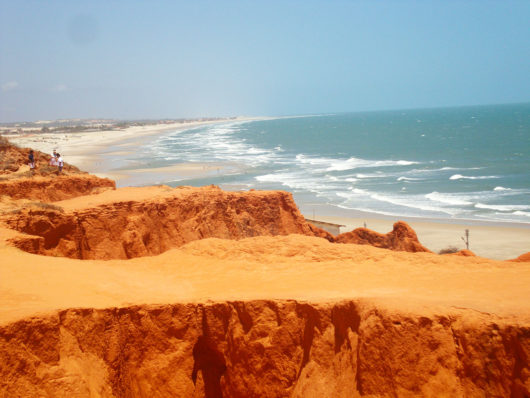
[333,229]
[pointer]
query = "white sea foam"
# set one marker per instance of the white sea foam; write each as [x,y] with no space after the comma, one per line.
[299,181]
[367,209]
[461,177]
[447,199]
[355,163]
[403,178]
[412,202]
[521,213]
[369,200]
[344,180]
[359,191]
[276,177]
[312,160]
[363,176]
[447,168]
[352,163]
[510,208]
[219,143]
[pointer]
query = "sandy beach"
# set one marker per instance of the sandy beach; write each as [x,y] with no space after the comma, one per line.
[489,240]
[99,152]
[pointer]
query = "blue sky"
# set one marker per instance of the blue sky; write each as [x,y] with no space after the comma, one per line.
[168,59]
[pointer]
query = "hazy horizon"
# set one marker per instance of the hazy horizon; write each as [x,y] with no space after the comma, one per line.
[135,60]
[146,119]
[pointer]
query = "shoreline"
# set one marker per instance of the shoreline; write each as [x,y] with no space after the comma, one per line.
[496,242]
[98,152]
[104,153]
[488,239]
[326,210]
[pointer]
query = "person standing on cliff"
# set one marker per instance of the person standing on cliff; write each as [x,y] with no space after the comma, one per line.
[31,158]
[60,162]
[53,160]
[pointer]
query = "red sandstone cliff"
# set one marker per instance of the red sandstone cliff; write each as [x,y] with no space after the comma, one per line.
[120,228]
[402,238]
[54,188]
[263,349]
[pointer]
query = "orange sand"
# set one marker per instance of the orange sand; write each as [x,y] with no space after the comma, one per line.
[289,267]
[288,315]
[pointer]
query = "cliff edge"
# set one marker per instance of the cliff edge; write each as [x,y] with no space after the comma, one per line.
[199,292]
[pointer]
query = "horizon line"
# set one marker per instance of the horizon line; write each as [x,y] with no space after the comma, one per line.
[329,113]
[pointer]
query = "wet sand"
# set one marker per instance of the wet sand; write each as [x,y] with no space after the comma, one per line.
[105,154]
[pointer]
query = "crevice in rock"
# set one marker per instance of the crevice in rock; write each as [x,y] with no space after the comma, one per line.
[312,321]
[209,361]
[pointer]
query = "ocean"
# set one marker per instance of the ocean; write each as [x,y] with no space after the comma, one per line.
[464,163]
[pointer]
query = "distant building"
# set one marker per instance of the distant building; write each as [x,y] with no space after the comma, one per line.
[333,229]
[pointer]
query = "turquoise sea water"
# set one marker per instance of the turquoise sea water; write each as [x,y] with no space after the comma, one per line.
[450,163]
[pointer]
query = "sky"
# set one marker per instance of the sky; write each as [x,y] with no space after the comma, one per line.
[171,59]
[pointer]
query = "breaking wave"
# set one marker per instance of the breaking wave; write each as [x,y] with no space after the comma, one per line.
[461,177]
[408,186]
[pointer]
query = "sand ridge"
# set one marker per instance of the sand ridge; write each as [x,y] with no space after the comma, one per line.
[288,267]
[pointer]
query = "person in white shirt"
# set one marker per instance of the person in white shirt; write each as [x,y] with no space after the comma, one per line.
[60,162]
[53,160]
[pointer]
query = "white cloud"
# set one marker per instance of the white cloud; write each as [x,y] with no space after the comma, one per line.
[8,86]
[60,87]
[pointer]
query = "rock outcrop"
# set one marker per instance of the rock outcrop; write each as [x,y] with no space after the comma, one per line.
[401,238]
[464,253]
[523,258]
[12,158]
[263,349]
[52,189]
[121,229]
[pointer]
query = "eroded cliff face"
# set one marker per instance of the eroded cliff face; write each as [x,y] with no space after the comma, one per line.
[416,336]
[52,189]
[263,348]
[126,229]
[121,229]
[402,238]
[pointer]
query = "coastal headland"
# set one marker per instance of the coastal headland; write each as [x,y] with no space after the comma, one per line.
[159,291]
